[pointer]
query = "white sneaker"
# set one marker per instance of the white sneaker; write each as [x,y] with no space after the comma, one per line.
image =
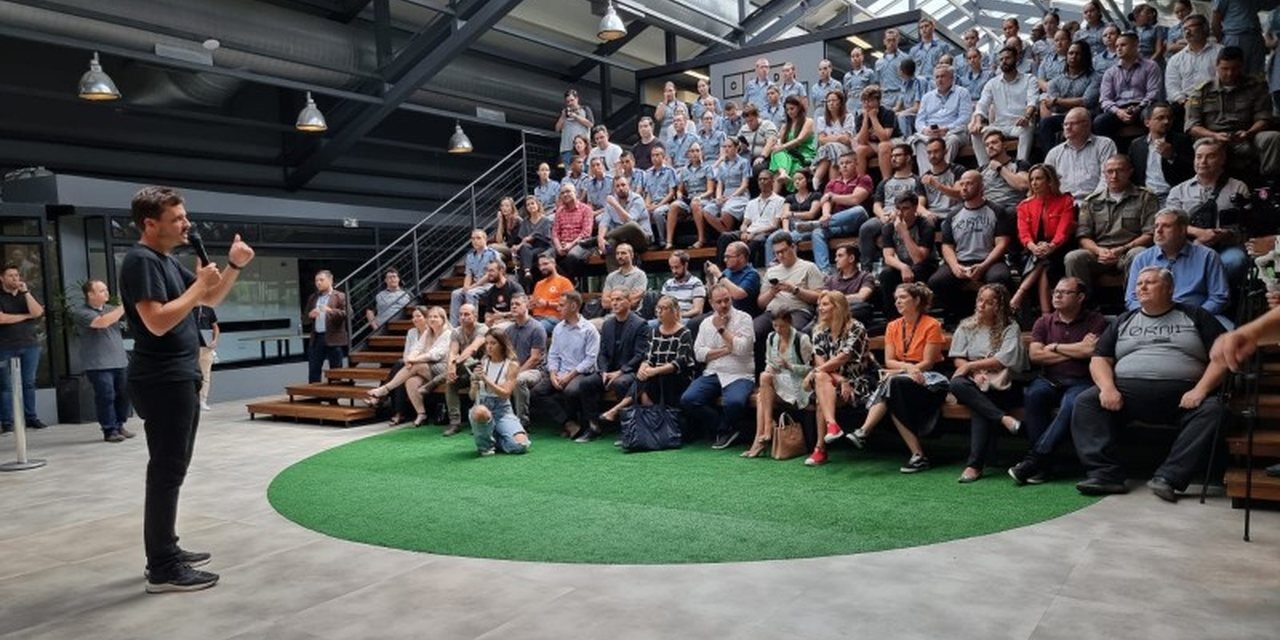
[205,406]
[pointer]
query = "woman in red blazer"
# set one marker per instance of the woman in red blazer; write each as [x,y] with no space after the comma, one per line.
[1046,223]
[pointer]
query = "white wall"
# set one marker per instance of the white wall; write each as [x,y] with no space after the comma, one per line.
[728,79]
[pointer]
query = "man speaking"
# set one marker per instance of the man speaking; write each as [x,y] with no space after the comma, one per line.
[160,295]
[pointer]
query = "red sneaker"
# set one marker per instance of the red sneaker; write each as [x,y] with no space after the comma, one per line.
[834,432]
[818,457]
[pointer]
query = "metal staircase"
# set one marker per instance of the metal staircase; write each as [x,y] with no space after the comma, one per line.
[423,255]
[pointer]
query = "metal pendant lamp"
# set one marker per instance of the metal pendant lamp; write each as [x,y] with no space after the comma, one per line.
[310,119]
[459,142]
[611,27]
[96,85]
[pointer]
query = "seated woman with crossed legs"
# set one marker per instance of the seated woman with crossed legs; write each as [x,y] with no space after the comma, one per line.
[667,369]
[426,346]
[839,367]
[911,393]
[787,364]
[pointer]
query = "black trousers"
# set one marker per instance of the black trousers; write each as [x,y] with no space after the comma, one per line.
[890,278]
[579,401]
[317,353]
[952,294]
[1094,429]
[987,408]
[171,414]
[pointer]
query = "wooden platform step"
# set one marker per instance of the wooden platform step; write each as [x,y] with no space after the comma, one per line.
[327,390]
[387,342]
[399,326]
[435,297]
[1268,405]
[1266,444]
[344,415]
[451,282]
[375,374]
[1264,487]
[380,357]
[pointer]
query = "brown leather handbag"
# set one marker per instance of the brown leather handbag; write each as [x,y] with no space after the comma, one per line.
[788,438]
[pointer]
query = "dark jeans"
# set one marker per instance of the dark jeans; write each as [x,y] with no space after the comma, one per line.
[1094,429]
[699,403]
[110,397]
[952,292]
[868,242]
[29,357]
[1043,429]
[579,401]
[890,278]
[987,409]
[1048,130]
[171,413]
[317,353]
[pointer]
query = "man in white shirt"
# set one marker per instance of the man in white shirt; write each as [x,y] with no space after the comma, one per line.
[762,217]
[725,343]
[1195,64]
[944,112]
[1079,158]
[1007,105]
[604,149]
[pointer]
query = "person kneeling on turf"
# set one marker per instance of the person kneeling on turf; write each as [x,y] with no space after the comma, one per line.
[492,382]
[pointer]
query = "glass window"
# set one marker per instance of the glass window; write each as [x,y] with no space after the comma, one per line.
[19,227]
[299,234]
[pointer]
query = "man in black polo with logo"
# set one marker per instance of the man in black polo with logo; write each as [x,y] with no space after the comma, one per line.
[20,315]
[160,295]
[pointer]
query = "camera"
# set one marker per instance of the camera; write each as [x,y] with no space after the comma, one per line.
[1257,212]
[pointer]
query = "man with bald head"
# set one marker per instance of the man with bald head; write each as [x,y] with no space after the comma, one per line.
[974,241]
[1079,158]
[944,113]
[1115,224]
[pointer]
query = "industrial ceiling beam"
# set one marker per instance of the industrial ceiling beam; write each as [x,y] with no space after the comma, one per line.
[785,22]
[348,10]
[664,21]
[605,50]
[413,73]
[758,20]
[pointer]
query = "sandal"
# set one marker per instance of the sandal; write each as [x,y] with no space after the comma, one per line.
[421,420]
[696,245]
[395,421]
[373,398]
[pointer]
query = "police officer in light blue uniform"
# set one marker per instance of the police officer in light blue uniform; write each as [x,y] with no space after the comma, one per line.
[825,83]
[928,50]
[887,69]
[753,93]
[1235,23]
[858,77]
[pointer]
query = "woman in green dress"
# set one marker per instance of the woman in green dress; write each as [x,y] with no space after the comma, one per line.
[796,147]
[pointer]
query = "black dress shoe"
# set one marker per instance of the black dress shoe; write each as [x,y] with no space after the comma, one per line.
[588,435]
[1162,489]
[35,423]
[1098,487]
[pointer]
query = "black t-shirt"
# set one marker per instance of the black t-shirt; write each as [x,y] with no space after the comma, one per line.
[922,232]
[146,274]
[498,298]
[18,335]
[206,317]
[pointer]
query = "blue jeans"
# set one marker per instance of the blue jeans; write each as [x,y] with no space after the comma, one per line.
[843,223]
[30,359]
[110,397]
[504,424]
[548,323]
[699,399]
[1044,432]
[1236,263]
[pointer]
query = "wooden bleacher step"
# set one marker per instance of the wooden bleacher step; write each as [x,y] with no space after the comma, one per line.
[376,374]
[451,282]
[386,342]
[435,297]
[328,390]
[380,357]
[1264,487]
[1266,444]
[399,326]
[344,415]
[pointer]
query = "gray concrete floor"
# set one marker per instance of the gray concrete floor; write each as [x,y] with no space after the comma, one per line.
[71,563]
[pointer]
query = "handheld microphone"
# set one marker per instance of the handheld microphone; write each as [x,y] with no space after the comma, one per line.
[197,243]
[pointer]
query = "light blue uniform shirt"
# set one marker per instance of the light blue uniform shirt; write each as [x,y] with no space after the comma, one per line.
[818,92]
[926,55]
[1052,66]
[755,91]
[678,147]
[775,114]
[635,209]
[475,263]
[730,174]
[710,142]
[853,83]
[698,108]
[973,81]
[887,71]
[574,347]
[546,194]
[659,182]
[695,179]
[793,89]
[952,110]
[597,189]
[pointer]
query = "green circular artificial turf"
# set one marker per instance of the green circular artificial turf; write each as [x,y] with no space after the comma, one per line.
[568,502]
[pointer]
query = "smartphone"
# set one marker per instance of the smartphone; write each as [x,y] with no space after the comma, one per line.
[773,281]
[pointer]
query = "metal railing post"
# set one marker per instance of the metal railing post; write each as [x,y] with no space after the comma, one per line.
[19,422]
[473,205]
[417,266]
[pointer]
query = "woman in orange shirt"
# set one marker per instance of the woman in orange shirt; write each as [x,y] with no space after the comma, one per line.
[911,393]
[1046,223]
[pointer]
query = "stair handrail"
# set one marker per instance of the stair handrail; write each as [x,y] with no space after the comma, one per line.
[398,247]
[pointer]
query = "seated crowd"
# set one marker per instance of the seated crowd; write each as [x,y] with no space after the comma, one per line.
[1095,153]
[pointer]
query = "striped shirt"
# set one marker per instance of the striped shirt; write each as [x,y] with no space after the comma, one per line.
[684,292]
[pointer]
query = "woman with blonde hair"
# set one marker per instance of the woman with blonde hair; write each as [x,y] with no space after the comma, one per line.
[507,228]
[426,348]
[1046,224]
[910,392]
[987,350]
[787,356]
[493,420]
[839,374]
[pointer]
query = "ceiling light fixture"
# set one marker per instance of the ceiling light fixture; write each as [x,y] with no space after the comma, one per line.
[459,142]
[310,119]
[700,76]
[96,85]
[611,27]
